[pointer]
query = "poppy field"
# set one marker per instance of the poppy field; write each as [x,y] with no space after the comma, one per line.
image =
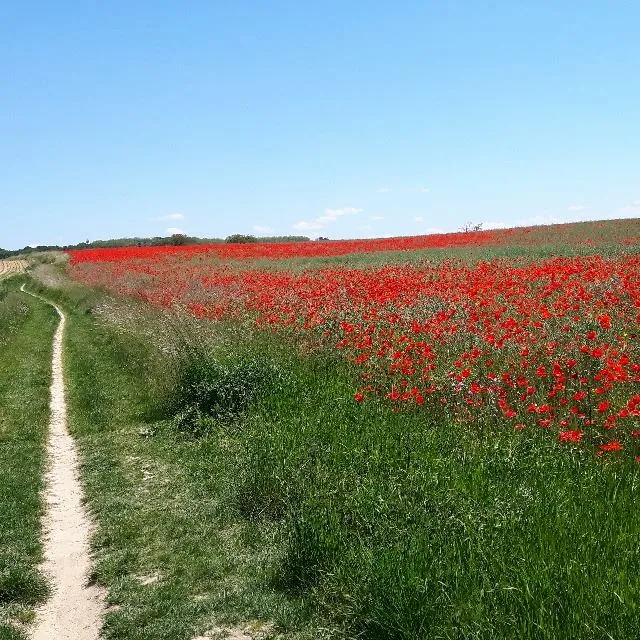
[429,437]
[522,343]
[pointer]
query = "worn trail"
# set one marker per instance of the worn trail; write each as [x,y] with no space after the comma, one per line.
[75,609]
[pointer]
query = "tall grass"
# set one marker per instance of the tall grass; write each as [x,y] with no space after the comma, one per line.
[212,391]
[402,526]
[26,330]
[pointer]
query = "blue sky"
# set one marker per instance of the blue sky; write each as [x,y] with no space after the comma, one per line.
[356,119]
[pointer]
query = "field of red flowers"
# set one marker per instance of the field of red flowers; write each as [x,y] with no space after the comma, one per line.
[521,343]
[610,232]
[450,451]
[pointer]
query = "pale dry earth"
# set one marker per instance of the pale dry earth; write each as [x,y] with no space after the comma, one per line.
[75,608]
[12,267]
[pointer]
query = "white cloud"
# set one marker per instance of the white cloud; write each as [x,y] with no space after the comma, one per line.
[418,219]
[631,207]
[332,214]
[172,216]
[258,228]
[433,230]
[377,217]
[425,189]
[535,221]
[329,215]
[488,226]
[383,190]
[172,230]
[303,225]
[577,213]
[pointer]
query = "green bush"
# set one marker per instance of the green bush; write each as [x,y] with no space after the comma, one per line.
[211,391]
[239,238]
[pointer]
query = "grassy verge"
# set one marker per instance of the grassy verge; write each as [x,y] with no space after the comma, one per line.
[305,514]
[404,528]
[176,560]
[26,330]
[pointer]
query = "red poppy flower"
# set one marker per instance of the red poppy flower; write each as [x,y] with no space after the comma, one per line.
[570,436]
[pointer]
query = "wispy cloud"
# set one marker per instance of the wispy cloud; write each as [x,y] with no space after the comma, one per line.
[383,190]
[537,220]
[329,215]
[632,207]
[418,219]
[573,213]
[425,189]
[333,214]
[377,217]
[488,226]
[171,216]
[533,221]
[172,230]
[303,225]
[258,228]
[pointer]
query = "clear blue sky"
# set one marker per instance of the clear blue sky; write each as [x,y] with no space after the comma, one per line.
[344,119]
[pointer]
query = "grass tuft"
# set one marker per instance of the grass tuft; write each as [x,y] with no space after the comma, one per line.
[214,392]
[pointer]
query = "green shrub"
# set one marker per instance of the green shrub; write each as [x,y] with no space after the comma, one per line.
[211,391]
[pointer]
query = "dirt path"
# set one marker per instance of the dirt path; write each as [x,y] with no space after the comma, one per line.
[74,611]
[10,267]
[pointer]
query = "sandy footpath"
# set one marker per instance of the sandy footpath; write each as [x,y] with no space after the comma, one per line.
[75,609]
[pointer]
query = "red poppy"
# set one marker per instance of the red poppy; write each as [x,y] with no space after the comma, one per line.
[570,436]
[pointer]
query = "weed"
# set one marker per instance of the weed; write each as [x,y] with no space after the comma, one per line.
[213,391]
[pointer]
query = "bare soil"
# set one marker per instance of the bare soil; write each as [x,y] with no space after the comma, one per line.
[11,267]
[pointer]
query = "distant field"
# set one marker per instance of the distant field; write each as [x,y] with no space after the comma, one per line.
[11,267]
[429,437]
[575,236]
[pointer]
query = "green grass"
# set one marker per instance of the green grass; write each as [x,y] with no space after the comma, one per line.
[402,527]
[26,331]
[328,518]
[467,255]
[161,498]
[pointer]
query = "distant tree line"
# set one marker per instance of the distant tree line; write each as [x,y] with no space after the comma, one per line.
[239,238]
[177,239]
